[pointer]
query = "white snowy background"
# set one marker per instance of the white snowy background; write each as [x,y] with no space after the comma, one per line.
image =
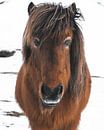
[13,18]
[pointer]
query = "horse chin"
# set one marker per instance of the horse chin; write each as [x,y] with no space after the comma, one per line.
[46,109]
[47,106]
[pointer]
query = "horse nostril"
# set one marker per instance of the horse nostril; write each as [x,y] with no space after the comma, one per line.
[51,93]
[45,90]
[58,90]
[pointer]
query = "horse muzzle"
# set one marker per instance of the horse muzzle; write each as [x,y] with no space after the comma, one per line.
[50,97]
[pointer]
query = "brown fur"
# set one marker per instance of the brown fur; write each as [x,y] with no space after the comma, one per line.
[52,63]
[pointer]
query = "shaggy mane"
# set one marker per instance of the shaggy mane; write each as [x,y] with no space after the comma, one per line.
[50,19]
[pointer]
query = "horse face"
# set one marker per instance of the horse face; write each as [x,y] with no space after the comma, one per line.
[52,60]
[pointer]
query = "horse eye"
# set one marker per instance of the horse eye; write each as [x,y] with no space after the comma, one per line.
[37,42]
[68,41]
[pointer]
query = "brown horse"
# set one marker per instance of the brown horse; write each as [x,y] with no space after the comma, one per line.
[53,84]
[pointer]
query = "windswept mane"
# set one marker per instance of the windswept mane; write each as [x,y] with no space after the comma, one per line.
[50,19]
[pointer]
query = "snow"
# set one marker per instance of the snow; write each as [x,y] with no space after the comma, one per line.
[93,115]
[13,18]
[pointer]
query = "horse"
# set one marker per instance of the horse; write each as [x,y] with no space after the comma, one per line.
[54,83]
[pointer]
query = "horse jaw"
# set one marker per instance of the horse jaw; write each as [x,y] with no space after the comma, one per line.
[45,110]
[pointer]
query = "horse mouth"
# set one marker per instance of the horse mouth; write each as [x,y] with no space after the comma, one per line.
[50,103]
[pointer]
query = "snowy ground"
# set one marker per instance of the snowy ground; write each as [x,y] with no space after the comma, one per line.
[13,17]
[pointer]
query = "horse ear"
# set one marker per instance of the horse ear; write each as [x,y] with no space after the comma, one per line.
[75,12]
[31,7]
[73,9]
